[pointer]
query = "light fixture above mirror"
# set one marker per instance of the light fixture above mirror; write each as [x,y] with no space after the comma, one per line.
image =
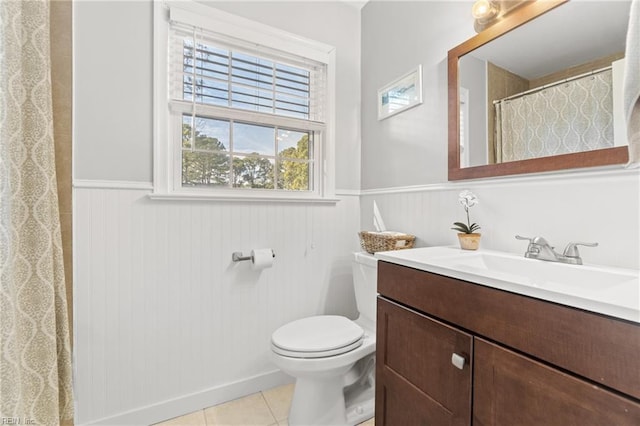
[485,10]
[559,48]
[488,12]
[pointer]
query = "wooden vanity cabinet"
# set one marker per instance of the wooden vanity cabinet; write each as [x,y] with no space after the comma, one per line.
[512,389]
[416,382]
[526,361]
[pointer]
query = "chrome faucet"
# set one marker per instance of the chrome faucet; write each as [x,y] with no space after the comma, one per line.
[540,249]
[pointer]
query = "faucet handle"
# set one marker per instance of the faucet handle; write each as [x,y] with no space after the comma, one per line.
[535,240]
[532,249]
[572,249]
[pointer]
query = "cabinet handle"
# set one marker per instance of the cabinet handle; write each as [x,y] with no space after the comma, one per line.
[458,360]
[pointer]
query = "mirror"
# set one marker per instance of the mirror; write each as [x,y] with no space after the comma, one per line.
[539,91]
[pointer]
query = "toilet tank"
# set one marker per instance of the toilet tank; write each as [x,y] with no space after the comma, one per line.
[365,284]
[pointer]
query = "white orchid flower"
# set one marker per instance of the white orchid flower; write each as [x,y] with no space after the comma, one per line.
[467,199]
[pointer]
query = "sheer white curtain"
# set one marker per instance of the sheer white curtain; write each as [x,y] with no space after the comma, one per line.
[35,355]
[574,116]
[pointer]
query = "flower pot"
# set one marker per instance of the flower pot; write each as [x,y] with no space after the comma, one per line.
[469,241]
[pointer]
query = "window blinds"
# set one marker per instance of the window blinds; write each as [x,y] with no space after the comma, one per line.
[208,68]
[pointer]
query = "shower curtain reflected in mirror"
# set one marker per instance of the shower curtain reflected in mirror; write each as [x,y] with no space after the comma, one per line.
[569,117]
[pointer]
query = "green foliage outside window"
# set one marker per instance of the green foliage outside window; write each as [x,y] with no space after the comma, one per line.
[252,171]
[208,164]
[295,175]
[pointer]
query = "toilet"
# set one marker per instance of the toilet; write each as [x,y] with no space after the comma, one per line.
[333,358]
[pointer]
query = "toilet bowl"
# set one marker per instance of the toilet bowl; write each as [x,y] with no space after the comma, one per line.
[333,358]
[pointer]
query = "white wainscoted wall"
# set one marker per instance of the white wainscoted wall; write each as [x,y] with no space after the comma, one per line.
[166,323]
[600,206]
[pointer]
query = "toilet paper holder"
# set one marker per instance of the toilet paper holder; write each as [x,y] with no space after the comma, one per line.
[237,256]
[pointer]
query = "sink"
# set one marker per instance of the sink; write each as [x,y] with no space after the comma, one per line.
[602,289]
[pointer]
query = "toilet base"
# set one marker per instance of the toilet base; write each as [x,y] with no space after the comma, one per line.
[327,401]
[312,404]
[361,408]
[317,402]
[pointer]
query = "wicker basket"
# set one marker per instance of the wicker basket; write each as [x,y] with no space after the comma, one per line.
[373,241]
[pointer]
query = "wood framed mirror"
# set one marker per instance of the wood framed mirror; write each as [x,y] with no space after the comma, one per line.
[546,25]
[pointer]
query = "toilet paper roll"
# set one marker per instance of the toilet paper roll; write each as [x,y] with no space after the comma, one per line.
[261,258]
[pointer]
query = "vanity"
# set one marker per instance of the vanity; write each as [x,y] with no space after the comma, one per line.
[490,338]
[505,349]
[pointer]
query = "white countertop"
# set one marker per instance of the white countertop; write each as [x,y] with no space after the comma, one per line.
[601,289]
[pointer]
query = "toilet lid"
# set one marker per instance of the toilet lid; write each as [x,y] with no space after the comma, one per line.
[318,336]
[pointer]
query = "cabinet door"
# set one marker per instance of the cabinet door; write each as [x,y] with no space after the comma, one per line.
[416,381]
[510,389]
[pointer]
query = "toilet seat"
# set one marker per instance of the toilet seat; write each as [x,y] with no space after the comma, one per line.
[317,337]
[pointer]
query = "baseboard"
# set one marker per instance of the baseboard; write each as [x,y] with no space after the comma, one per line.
[196,401]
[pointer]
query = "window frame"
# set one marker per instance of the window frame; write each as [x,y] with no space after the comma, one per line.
[167,153]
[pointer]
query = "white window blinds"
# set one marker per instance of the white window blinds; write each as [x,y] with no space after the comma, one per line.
[212,69]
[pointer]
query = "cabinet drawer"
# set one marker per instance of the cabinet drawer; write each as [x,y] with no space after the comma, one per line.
[414,364]
[600,348]
[511,389]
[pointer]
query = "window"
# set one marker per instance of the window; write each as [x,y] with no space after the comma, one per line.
[243,111]
[226,153]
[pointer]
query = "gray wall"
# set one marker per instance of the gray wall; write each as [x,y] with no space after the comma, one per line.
[409,148]
[113,90]
[113,51]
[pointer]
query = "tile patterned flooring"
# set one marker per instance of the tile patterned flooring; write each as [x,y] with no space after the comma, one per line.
[266,408]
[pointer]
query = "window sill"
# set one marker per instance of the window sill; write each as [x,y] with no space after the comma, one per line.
[248,198]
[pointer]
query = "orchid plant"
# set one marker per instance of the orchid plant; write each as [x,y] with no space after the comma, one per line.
[468,200]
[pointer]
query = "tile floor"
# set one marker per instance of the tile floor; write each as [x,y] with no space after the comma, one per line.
[267,408]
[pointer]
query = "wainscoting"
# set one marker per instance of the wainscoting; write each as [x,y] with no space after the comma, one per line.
[596,206]
[166,323]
